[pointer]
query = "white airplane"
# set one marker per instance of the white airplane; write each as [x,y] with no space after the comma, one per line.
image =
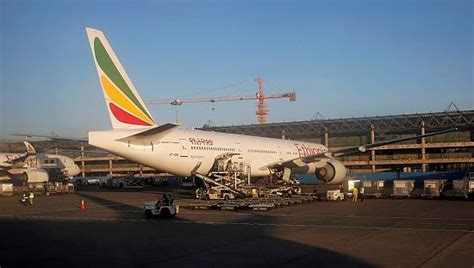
[33,166]
[169,148]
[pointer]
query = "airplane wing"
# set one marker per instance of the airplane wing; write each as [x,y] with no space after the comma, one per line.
[364,148]
[5,165]
[301,161]
[52,137]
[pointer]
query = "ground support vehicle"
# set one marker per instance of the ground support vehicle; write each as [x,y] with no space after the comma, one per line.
[334,195]
[161,208]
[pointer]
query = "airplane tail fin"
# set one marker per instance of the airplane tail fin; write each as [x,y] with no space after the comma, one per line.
[126,108]
[30,150]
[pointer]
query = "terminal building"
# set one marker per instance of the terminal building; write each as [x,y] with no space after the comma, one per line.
[445,152]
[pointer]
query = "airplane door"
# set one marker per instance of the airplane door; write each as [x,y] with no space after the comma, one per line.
[280,153]
[184,148]
[240,159]
[32,161]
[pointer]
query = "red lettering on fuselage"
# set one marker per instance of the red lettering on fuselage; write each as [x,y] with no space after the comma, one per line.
[10,157]
[306,150]
[201,141]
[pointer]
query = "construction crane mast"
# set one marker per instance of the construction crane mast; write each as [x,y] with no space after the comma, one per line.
[262,111]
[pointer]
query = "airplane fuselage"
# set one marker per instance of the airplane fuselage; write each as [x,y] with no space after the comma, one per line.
[41,160]
[137,137]
[5,157]
[183,151]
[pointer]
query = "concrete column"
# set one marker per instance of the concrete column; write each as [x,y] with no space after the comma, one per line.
[423,150]
[83,174]
[372,152]
[283,134]
[110,167]
[326,137]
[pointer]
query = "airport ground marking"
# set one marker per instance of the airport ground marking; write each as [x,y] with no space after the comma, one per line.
[75,208]
[441,250]
[290,225]
[100,208]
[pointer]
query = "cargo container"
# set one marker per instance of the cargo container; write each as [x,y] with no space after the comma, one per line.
[6,189]
[37,188]
[59,188]
[403,188]
[434,188]
[373,188]
[350,185]
[460,188]
[471,189]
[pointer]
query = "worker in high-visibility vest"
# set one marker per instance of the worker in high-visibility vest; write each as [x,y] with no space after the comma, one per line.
[355,193]
[31,197]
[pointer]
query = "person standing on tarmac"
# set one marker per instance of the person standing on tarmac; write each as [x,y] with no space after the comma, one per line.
[355,193]
[31,197]
[24,200]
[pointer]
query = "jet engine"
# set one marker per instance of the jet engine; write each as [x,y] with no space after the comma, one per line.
[35,176]
[334,172]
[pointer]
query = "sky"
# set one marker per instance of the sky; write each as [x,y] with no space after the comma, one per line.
[343,58]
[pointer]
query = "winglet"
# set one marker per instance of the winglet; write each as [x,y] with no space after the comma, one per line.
[30,150]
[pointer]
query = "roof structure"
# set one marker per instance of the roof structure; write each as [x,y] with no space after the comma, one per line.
[389,124]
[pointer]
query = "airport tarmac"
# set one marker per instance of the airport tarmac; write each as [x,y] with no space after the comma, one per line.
[113,231]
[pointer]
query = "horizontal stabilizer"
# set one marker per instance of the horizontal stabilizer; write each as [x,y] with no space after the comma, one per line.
[50,137]
[155,133]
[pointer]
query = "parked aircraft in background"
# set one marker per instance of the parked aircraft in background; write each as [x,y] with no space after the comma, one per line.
[137,136]
[33,166]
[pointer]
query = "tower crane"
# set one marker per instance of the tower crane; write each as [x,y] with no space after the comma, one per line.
[260,96]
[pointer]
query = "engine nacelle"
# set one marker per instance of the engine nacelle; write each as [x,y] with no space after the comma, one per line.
[35,176]
[334,172]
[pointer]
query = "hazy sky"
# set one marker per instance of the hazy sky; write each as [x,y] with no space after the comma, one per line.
[343,58]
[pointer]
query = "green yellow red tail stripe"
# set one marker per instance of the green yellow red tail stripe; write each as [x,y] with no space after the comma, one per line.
[126,108]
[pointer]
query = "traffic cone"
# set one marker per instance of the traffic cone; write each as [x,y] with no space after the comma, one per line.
[83,205]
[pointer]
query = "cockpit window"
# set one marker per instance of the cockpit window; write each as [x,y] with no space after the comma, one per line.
[50,161]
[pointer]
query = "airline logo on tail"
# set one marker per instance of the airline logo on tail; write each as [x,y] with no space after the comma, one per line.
[126,108]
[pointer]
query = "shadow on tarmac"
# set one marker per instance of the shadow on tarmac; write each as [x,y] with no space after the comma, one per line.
[155,242]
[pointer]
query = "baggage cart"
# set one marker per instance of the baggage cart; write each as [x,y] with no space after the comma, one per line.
[373,188]
[433,188]
[403,188]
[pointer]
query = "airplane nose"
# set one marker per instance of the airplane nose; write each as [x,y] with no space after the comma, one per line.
[76,170]
[72,171]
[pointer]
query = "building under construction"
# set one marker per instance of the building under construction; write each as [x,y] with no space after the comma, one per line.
[452,151]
